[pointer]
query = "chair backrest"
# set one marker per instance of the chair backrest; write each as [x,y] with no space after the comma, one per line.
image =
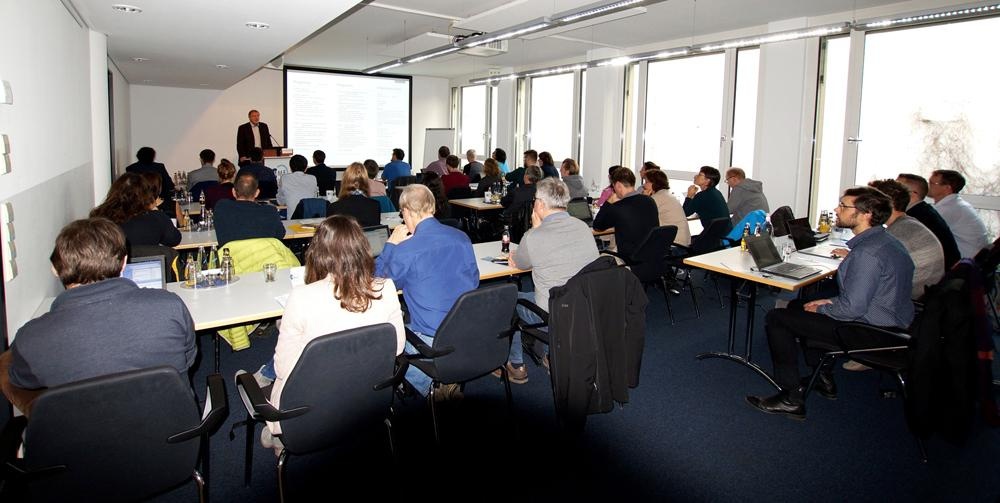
[111,434]
[580,208]
[460,193]
[385,204]
[169,255]
[310,207]
[472,327]
[335,378]
[648,262]
[199,187]
[710,239]
[779,218]
[520,221]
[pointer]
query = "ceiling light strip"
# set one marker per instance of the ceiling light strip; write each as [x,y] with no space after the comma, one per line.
[433,53]
[932,16]
[598,11]
[384,66]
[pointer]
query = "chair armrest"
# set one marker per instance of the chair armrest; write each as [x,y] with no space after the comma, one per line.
[617,255]
[397,376]
[841,333]
[423,349]
[216,411]
[257,405]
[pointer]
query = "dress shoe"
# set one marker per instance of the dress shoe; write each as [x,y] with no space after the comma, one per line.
[824,385]
[781,403]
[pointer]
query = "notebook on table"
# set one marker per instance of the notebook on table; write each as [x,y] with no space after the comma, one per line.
[147,272]
[765,256]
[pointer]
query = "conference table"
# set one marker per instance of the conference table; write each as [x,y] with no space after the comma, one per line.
[739,265]
[294,229]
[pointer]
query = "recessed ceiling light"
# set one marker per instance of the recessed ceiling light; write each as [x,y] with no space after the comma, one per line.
[222,67]
[257,25]
[147,81]
[128,9]
[140,60]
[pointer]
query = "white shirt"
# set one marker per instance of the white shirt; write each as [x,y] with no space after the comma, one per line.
[312,311]
[294,187]
[969,230]
[256,134]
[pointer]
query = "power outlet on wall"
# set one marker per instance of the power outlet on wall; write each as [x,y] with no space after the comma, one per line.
[9,252]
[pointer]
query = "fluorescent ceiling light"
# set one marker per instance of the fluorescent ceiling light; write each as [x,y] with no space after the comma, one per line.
[775,37]
[433,53]
[615,16]
[514,31]
[597,11]
[127,9]
[383,66]
[257,25]
[557,70]
[933,16]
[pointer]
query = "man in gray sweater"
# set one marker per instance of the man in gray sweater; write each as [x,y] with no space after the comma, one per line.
[919,241]
[555,249]
[745,195]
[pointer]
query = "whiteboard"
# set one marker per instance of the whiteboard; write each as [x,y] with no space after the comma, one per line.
[433,139]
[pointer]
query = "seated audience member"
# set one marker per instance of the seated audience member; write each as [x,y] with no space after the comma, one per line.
[517,176]
[441,207]
[874,282]
[474,168]
[632,214]
[206,173]
[455,178]
[297,185]
[243,217]
[267,181]
[326,178]
[132,204]
[523,195]
[413,259]
[146,163]
[375,187]
[548,165]
[705,199]
[224,190]
[927,215]
[668,207]
[924,249]
[439,166]
[609,191]
[964,222]
[570,172]
[543,250]
[745,195]
[500,155]
[341,293]
[491,175]
[101,324]
[395,168]
[647,166]
[353,199]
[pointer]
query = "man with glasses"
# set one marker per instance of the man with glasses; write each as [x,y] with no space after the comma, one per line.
[874,282]
[704,199]
[745,195]
[969,231]
[927,215]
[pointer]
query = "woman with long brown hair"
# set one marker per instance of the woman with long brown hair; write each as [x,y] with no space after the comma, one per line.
[132,203]
[354,200]
[340,293]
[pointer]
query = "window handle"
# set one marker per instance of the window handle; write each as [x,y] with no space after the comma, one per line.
[851,139]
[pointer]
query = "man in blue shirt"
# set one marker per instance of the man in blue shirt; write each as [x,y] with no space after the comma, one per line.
[874,283]
[395,168]
[433,264]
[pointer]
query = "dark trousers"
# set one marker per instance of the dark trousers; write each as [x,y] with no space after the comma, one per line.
[787,328]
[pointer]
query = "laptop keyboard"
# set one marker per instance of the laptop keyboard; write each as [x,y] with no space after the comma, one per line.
[787,268]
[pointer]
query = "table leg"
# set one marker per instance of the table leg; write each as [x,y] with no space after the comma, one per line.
[731,354]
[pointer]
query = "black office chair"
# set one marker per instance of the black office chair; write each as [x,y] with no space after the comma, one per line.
[471,342]
[340,385]
[310,207]
[580,208]
[169,256]
[650,262]
[200,187]
[401,181]
[710,240]
[460,193]
[122,437]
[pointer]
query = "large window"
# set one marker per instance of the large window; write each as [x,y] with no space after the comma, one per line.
[745,109]
[683,112]
[831,107]
[473,119]
[551,118]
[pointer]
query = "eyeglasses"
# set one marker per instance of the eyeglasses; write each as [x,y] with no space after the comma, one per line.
[844,206]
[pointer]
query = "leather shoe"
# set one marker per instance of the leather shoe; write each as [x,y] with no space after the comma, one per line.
[824,385]
[781,404]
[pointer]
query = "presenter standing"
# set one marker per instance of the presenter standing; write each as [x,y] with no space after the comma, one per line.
[250,135]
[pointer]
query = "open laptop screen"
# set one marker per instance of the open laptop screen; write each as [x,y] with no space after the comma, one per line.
[147,272]
[377,236]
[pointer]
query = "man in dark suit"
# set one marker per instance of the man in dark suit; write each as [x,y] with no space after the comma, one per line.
[326,178]
[146,163]
[243,218]
[517,203]
[250,135]
[633,214]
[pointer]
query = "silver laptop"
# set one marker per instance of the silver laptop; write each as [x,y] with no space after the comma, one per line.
[377,236]
[147,272]
[766,256]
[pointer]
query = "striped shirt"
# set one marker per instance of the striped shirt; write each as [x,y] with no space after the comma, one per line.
[875,281]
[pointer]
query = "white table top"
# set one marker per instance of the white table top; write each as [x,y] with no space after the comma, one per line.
[293,229]
[736,263]
[475,203]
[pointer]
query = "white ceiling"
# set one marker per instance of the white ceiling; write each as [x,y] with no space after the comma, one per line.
[185,39]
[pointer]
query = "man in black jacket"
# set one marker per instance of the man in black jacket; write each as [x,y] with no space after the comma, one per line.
[146,163]
[326,178]
[632,216]
[252,134]
[244,218]
[927,215]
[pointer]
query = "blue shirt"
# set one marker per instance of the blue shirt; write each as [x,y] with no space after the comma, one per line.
[504,169]
[433,268]
[875,281]
[394,170]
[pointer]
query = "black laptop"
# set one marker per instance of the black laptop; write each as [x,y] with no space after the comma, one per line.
[805,239]
[766,256]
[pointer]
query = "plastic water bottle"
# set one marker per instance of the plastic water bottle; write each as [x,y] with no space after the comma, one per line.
[743,240]
[200,261]
[190,273]
[213,258]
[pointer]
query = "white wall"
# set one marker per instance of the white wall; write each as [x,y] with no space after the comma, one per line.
[179,122]
[123,153]
[51,137]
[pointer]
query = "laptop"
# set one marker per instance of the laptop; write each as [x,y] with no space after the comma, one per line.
[377,236]
[147,272]
[805,239]
[766,256]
